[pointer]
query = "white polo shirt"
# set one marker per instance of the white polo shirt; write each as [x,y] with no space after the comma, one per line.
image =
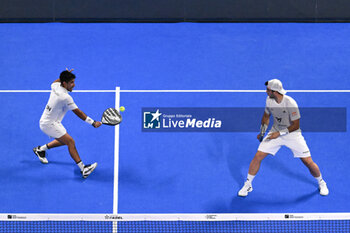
[283,113]
[58,105]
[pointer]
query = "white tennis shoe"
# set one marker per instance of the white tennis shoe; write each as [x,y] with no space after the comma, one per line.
[88,169]
[41,155]
[323,188]
[247,188]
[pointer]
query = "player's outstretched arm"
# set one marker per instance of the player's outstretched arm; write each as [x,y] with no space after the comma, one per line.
[85,118]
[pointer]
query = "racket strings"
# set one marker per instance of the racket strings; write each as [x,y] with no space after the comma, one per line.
[111,117]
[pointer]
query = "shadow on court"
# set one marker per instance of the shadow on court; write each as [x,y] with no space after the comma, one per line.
[280,168]
[257,203]
[51,162]
[99,174]
[50,169]
[266,201]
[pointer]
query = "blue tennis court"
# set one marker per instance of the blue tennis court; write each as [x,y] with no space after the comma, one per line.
[169,172]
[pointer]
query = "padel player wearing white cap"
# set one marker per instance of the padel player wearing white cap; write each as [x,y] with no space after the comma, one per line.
[50,122]
[285,131]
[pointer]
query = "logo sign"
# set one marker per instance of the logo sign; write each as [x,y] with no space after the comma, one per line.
[16,217]
[293,216]
[243,119]
[151,119]
[111,216]
[211,216]
[180,120]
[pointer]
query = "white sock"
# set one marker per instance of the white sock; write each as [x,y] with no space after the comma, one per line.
[319,179]
[43,147]
[81,165]
[250,178]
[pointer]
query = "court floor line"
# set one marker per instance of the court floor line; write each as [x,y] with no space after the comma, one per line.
[176,91]
[228,91]
[116,155]
[39,91]
[117,91]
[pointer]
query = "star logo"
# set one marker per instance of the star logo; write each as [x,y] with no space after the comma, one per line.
[156,115]
[151,119]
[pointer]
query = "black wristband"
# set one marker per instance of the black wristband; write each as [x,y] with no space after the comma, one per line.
[93,124]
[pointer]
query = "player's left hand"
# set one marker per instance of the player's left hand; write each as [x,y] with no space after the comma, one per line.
[97,124]
[274,135]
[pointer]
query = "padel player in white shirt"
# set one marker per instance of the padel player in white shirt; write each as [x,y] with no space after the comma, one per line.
[50,122]
[284,132]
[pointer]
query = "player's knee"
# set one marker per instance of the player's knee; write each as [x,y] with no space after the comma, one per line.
[307,161]
[259,156]
[71,142]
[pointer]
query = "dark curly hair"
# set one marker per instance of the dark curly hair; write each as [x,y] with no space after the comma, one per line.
[66,76]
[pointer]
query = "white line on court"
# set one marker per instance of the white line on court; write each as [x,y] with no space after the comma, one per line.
[228,91]
[139,217]
[116,155]
[38,91]
[176,91]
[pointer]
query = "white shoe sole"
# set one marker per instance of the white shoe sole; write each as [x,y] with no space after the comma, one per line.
[86,176]
[325,193]
[42,160]
[245,194]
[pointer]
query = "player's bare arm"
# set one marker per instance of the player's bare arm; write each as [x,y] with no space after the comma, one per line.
[265,119]
[294,126]
[83,116]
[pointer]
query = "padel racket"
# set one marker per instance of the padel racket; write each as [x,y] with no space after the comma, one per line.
[111,116]
[263,129]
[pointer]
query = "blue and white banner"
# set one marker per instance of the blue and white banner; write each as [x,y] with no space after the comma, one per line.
[156,119]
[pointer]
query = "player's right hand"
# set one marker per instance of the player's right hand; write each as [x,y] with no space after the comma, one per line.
[259,137]
[97,124]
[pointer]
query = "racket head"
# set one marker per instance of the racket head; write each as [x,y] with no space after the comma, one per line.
[111,116]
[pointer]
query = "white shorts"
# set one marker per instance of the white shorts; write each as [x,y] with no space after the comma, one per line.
[53,130]
[294,141]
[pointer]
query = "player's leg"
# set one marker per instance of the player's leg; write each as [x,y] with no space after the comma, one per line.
[69,141]
[53,130]
[315,172]
[312,166]
[54,143]
[255,163]
[50,145]
[297,143]
[253,170]
[41,150]
[266,147]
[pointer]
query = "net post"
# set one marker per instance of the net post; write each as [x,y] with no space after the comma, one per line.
[116,155]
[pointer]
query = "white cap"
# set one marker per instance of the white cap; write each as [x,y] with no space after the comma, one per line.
[275,85]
